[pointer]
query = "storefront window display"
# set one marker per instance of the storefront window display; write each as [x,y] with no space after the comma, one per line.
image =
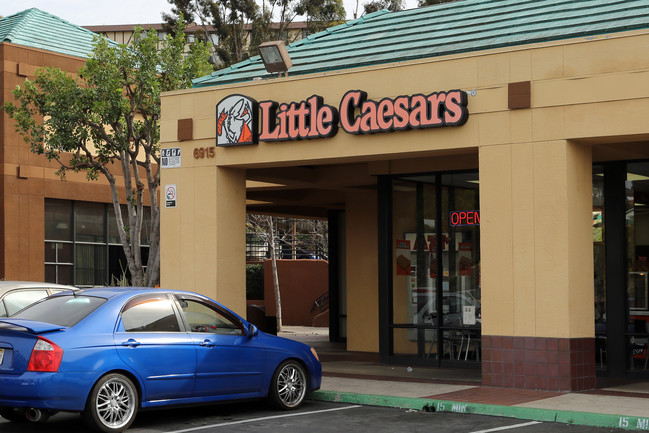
[436,226]
[599,261]
[637,221]
[621,255]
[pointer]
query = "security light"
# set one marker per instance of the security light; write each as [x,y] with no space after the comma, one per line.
[275,56]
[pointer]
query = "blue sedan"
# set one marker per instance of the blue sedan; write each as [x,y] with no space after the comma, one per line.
[107,353]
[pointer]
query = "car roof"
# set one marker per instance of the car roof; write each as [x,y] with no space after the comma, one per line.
[6,286]
[110,292]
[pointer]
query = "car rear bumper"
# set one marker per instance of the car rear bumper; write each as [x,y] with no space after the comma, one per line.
[55,391]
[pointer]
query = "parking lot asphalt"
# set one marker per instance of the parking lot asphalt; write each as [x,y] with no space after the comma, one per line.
[312,417]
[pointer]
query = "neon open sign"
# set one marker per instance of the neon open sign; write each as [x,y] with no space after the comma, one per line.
[465,218]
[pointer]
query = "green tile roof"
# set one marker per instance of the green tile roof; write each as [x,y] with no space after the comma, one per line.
[37,29]
[449,28]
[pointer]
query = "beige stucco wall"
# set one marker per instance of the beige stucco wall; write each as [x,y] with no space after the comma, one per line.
[536,238]
[535,174]
[362,278]
[203,248]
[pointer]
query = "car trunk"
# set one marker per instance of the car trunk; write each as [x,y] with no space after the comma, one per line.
[17,339]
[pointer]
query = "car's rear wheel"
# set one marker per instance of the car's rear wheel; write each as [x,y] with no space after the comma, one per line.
[13,414]
[112,404]
[288,386]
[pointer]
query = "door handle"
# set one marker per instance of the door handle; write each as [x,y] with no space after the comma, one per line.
[207,343]
[131,343]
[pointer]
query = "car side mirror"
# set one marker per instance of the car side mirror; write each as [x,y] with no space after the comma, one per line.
[252,330]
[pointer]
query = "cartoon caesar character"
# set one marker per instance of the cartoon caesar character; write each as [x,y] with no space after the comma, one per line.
[235,123]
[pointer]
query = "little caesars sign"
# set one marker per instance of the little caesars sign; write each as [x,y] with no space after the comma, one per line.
[242,120]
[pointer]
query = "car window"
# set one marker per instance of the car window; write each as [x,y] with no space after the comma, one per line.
[63,310]
[205,318]
[151,313]
[58,290]
[17,300]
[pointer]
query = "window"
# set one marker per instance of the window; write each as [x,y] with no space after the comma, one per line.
[435,260]
[59,255]
[17,300]
[82,245]
[65,310]
[150,314]
[204,318]
[621,266]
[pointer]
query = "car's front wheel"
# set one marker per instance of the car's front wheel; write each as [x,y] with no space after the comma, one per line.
[112,404]
[288,386]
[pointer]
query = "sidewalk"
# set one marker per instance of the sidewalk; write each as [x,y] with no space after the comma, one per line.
[360,379]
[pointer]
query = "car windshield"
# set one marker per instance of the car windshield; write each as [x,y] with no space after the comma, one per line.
[66,310]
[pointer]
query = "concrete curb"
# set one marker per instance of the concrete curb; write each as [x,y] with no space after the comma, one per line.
[624,422]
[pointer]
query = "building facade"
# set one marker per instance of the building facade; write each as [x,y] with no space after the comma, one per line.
[483,166]
[50,230]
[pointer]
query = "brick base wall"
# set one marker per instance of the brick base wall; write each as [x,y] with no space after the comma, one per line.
[548,364]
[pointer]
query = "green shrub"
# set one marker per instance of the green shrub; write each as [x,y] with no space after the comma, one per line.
[255,281]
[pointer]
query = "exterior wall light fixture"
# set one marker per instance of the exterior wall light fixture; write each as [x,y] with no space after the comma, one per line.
[275,57]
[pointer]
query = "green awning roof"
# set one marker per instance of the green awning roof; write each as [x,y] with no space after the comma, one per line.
[38,29]
[457,27]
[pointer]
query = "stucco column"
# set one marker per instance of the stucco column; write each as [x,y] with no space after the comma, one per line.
[537,266]
[362,272]
[203,238]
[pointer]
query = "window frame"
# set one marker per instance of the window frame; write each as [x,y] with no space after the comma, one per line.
[179,297]
[19,291]
[182,328]
[66,272]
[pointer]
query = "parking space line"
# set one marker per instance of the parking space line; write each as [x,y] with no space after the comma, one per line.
[266,418]
[507,427]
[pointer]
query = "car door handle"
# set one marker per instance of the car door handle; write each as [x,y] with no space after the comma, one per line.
[207,343]
[131,343]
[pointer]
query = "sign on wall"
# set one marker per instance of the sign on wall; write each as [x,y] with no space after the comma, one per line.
[170,158]
[241,120]
[171,194]
[236,121]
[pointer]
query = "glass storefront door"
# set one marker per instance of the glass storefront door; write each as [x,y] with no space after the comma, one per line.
[621,255]
[637,305]
[435,291]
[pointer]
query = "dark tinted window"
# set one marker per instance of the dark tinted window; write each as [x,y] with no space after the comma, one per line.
[64,310]
[150,314]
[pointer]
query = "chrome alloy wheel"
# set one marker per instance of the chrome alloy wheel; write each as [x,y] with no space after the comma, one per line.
[291,385]
[115,403]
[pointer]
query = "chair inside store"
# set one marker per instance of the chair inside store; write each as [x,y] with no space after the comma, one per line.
[639,344]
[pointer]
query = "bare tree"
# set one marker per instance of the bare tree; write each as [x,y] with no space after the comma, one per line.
[264,227]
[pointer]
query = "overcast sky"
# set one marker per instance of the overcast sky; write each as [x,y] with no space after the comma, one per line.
[98,12]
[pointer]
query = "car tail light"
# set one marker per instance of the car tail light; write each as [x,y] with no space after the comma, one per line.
[46,356]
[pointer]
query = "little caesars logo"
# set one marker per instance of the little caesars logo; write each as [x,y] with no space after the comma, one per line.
[236,121]
[238,115]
